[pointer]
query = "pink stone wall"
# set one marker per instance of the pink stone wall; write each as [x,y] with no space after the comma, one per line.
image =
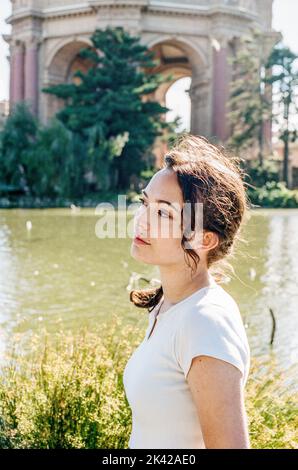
[24,74]
[31,76]
[17,74]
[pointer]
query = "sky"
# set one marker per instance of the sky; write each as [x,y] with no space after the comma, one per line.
[285,15]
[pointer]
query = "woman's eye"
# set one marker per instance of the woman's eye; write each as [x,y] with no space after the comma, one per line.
[162,213]
[142,200]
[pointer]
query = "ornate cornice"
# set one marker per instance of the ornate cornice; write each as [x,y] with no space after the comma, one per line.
[53,12]
[118,3]
[7,38]
[150,6]
[201,10]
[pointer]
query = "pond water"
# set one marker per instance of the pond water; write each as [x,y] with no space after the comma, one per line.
[58,273]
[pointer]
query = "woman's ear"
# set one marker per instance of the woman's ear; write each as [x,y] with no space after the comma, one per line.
[210,240]
[201,240]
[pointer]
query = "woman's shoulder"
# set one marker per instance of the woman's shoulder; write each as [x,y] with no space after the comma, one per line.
[216,310]
[216,301]
[213,326]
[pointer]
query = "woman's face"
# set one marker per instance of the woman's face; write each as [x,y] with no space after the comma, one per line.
[158,221]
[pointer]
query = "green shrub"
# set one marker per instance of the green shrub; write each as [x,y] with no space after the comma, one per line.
[66,391]
[258,175]
[274,194]
[271,407]
[264,187]
[17,141]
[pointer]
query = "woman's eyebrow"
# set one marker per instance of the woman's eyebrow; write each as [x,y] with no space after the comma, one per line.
[161,200]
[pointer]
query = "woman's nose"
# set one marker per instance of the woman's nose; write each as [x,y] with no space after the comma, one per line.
[141,222]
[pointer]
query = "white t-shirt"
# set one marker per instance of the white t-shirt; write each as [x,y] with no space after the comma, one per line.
[164,416]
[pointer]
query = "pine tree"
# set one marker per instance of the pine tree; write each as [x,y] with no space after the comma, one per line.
[108,106]
[16,142]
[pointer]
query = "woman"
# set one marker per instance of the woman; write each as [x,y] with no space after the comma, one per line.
[185,382]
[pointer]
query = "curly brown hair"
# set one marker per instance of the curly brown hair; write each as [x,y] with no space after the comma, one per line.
[206,174]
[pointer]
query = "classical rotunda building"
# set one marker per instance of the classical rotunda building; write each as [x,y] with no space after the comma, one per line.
[192,38]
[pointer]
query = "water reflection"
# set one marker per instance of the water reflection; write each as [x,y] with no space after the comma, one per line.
[57,273]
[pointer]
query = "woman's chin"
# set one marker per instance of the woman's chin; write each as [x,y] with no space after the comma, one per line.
[138,253]
[135,251]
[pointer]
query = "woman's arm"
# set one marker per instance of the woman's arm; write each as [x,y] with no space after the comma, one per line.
[218,395]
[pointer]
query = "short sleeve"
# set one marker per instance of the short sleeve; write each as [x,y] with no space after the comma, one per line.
[210,332]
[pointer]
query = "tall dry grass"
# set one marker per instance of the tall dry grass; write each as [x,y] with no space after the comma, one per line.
[66,391]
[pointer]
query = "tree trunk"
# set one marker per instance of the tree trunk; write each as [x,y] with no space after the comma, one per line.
[286,162]
[261,141]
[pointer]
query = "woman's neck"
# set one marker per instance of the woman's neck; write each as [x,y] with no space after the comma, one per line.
[178,284]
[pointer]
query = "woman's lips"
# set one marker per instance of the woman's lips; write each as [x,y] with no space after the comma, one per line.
[140,241]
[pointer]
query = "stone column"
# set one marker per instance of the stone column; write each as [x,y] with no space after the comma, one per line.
[267,125]
[199,92]
[11,66]
[17,73]
[31,74]
[220,89]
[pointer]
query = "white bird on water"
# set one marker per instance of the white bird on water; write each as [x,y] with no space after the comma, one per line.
[74,209]
[28,225]
[252,273]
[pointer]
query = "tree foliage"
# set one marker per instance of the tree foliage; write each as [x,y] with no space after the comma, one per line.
[16,143]
[249,103]
[284,79]
[111,104]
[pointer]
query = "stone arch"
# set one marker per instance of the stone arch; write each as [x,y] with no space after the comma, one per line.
[62,62]
[180,57]
[61,58]
[195,54]
[58,46]
[179,72]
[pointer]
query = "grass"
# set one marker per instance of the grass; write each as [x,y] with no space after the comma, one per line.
[66,391]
